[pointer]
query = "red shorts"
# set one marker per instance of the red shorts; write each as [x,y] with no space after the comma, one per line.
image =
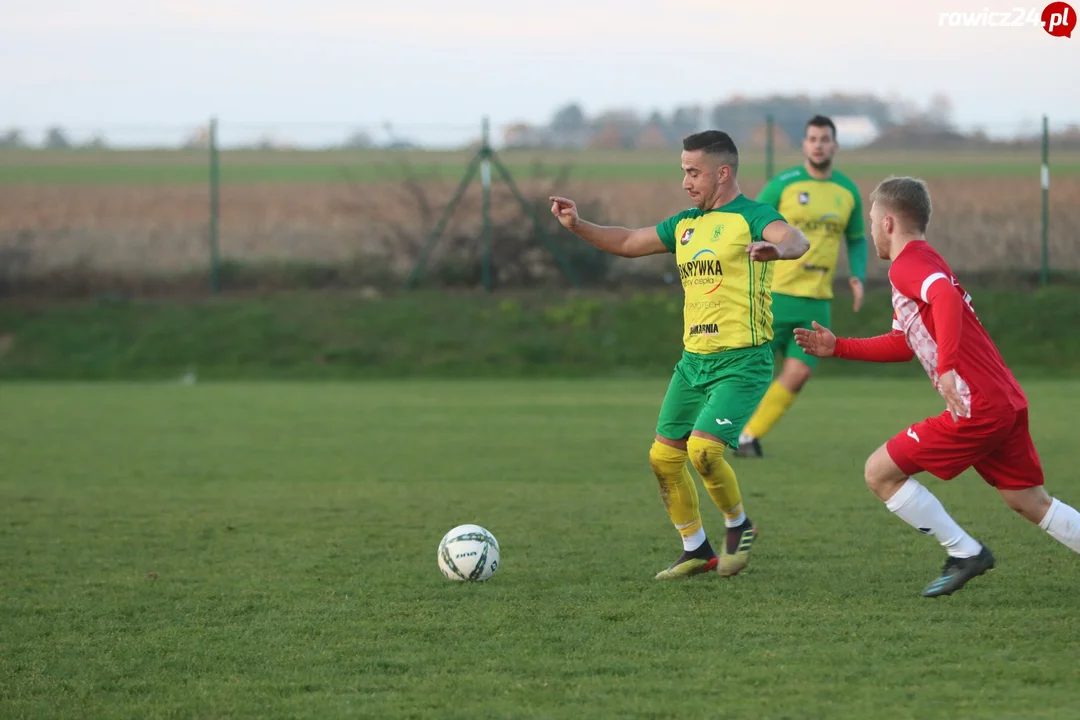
[998,446]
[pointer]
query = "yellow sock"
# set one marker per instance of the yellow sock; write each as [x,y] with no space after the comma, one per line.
[718,476]
[677,488]
[773,406]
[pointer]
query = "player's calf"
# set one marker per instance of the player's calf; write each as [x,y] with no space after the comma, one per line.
[707,456]
[1013,467]
[795,375]
[679,494]
[1060,521]
[909,500]
[1030,503]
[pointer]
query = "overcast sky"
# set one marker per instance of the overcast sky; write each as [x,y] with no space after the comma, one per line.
[433,67]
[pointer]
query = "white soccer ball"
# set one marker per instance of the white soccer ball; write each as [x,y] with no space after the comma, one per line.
[468,553]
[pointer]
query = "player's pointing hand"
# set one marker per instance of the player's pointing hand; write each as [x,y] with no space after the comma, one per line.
[565,210]
[819,342]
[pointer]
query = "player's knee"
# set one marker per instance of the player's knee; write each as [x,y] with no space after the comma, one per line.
[877,472]
[794,375]
[704,454]
[868,472]
[656,454]
[662,456]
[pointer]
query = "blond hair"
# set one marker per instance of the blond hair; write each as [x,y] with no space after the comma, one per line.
[906,197]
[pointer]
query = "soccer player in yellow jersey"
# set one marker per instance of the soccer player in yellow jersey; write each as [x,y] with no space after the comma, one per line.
[725,248]
[823,203]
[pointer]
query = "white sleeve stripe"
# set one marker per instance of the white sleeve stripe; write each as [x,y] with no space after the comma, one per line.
[928,282]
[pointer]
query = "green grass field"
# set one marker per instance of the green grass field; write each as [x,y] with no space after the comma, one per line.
[268,550]
[192,167]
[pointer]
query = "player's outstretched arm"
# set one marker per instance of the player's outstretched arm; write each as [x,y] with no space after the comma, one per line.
[781,241]
[620,241]
[820,342]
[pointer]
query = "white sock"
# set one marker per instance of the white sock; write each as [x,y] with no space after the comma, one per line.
[918,507]
[692,543]
[737,520]
[1062,523]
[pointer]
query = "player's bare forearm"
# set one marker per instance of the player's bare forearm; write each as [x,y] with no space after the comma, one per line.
[620,241]
[609,239]
[790,242]
[889,348]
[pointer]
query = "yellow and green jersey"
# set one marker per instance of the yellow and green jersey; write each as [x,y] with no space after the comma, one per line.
[728,302]
[826,211]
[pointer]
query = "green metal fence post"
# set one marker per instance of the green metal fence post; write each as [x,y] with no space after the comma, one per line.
[485,185]
[1045,176]
[215,205]
[768,147]
[421,261]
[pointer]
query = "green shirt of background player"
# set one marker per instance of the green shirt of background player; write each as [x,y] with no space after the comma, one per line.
[825,204]
[725,247]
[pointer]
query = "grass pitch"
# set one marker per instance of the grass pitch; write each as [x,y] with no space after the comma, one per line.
[268,550]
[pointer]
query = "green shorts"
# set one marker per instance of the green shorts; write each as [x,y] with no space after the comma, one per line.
[715,394]
[790,312]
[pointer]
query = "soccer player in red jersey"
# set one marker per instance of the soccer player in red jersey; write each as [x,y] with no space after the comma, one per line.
[985,426]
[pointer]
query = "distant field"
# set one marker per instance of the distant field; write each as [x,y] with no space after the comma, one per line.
[68,214]
[189,167]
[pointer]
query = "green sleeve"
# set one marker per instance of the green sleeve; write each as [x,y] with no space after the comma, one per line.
[760,217]
[856,236]
[856,252]
[666,229]
[770,194]
[856,227]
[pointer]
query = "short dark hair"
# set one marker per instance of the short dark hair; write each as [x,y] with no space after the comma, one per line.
[716,143]
[908,197]
[820,121]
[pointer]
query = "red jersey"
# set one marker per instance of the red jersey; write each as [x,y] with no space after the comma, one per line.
[937,319]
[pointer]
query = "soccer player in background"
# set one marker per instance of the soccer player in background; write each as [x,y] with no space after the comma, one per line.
[823,203]
[724,247]
[985,425]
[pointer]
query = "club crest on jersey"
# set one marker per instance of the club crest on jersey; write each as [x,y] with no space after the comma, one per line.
[717,232]
[686,236]
[804,197]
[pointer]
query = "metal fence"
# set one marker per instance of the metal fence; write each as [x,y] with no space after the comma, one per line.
[226,205]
